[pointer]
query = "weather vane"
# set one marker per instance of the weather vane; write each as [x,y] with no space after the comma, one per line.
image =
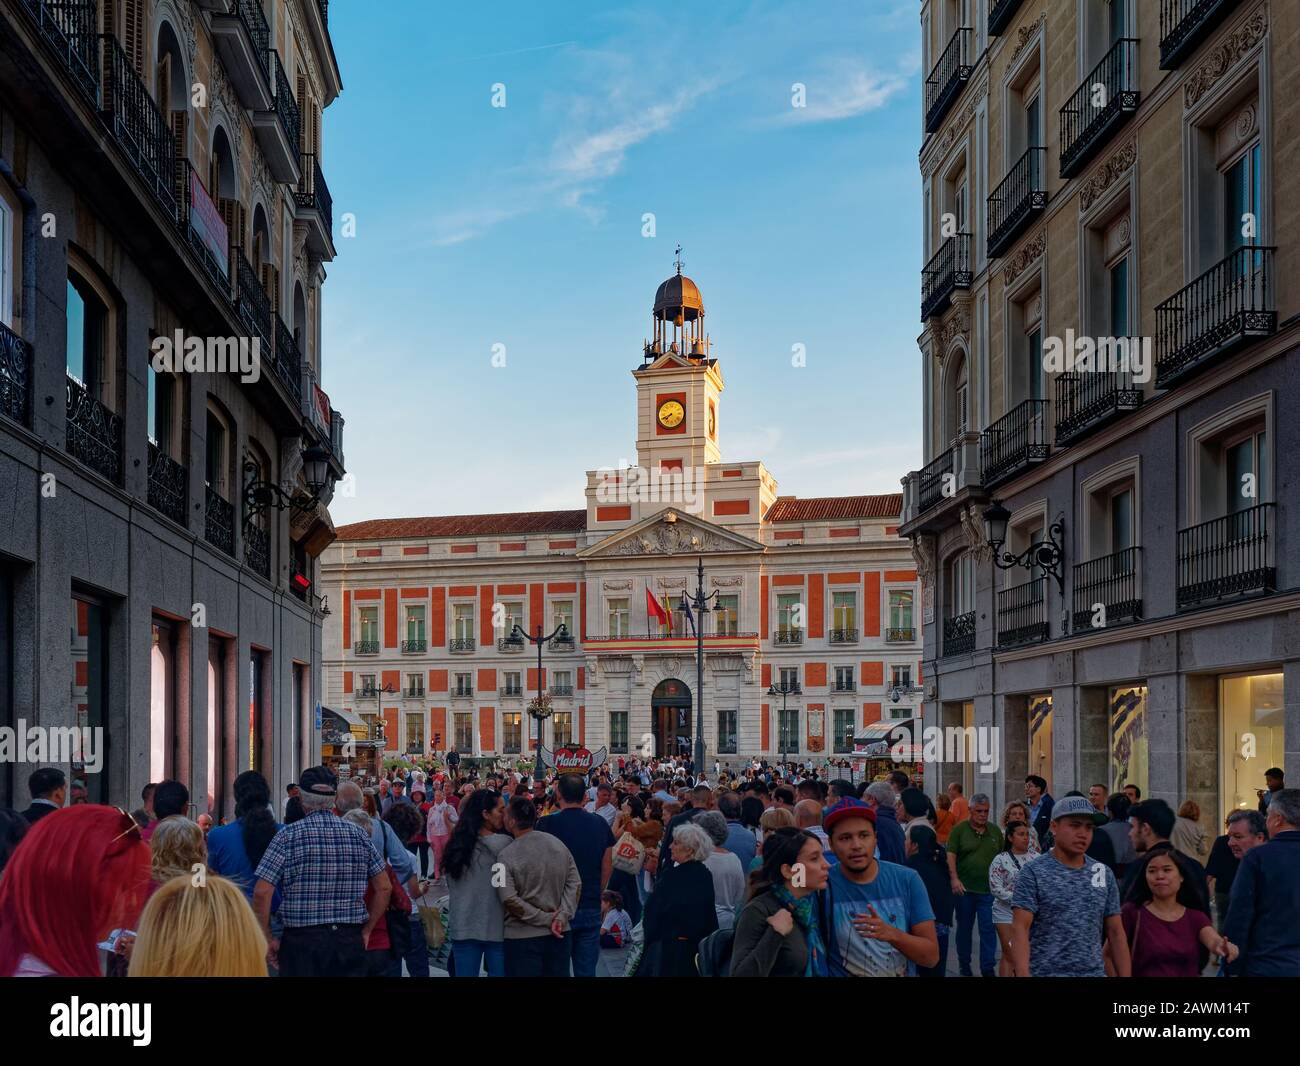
[679,259]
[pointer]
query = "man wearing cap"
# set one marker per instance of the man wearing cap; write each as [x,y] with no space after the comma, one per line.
[1066,905]
[876,915]
[322,865]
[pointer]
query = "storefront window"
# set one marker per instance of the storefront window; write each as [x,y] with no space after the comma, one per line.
[1040,738]
[1128,738]
[1251,716]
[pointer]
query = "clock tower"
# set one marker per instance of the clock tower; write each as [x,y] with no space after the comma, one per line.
[678,384]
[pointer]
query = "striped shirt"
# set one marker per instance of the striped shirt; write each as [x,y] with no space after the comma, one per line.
[322,865]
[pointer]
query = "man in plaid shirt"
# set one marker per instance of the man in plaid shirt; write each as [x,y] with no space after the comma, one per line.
[322,865]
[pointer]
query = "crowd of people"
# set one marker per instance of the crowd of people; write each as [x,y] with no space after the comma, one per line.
[644,868]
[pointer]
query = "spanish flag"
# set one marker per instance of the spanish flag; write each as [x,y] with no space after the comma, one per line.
[654,609]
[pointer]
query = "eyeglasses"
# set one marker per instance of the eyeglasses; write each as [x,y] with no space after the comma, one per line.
[133,827]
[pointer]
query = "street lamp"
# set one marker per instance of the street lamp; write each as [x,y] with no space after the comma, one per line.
[785,692]
[700,603]
[1048,555]
[260,495]
[537,709]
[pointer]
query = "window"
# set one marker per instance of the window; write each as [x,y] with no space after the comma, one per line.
[512,686]
[89,652]
[727,732]
[1120,519]
[1233,467]
[789,677]
[10,254]
[562,728]
[220,726]
[512,733]
[844,613]
[367,684]
[900,676]
[562,682]
[415,732]
[619,618]
[162,393]
[726,617]
[789,613]
[1119,316]
[1243,467]
[1252,716]
[1128,738]
[844,679]
[463,621]
[464,686]
[87,324]
[415,684]
[260,736]
[373,722]
[1117,20]
[463,726]
[900,614]
[512,615]
[368,624]
[842,741]
[618,732]
[215,470]
[788,730]
[562,615]
[162,701]
[415,624]
[1034,121]
[1242,202]
[959,408]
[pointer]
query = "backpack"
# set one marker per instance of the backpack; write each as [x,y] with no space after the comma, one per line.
[714,958]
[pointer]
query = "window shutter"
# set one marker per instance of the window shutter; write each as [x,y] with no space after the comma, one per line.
[232,212]
[304,134]
[180,137]
[163,83]
[133,33]
[271,283]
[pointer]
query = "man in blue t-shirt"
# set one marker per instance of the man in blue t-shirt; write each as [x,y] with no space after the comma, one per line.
[590,842]
[876,915]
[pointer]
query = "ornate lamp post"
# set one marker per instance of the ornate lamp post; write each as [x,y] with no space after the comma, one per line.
[540,707]
[785,692]
[700,604]
[1048,556]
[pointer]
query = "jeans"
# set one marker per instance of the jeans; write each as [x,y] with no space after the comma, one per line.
[422,850]
[417,954]
[322,951]
[585,941]
[939,969]
[472,955]
[972,906]
[538,956]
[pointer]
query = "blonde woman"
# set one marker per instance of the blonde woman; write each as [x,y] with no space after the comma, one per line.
[774,818]
[198,927]
[177,846]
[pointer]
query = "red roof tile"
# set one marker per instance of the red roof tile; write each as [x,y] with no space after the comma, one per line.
[466,525]
[834,508]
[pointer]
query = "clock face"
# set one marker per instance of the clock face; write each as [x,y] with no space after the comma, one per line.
[671,413]
[713,422]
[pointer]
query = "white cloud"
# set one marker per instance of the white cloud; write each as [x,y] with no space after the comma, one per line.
[845,91]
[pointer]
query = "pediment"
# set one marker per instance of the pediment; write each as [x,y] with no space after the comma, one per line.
[670,532]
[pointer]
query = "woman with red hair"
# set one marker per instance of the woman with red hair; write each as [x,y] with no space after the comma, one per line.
[77,875]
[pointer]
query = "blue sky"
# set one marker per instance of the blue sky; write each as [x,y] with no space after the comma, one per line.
[522,226]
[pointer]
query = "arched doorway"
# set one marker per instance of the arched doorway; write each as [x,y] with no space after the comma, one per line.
[670,715]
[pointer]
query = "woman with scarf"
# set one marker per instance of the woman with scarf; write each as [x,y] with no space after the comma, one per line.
[777,933]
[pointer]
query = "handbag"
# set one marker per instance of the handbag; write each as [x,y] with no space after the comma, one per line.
[398,915]
[629,854]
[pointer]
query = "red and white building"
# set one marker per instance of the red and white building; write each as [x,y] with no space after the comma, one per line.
[818,591]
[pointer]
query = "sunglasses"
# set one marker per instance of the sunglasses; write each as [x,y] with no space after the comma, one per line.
[134,827]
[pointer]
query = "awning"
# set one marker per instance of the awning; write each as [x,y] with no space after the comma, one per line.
[882,729]
[888,739]
[350,721]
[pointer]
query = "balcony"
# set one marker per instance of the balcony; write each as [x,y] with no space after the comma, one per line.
[414,647]
[670,642]
[15,376]
[257,550]
[1227,557]
[900,635]
[252,305]
[279,127]
[933,480]
[71,29]
[243,38]
[951,479]
[946,273]
[1014,443]
[94,433]
[316,207]
[460,645]
[1018,201]
[1184,24]
[413,692]
[510,690]
[219,521]
[138,126]
[787,637]
[169,486]
[368,692]
[1001,14]
[562,690]
[205,232]
[845,686]
[1022,614]
[287,363]
[959,634]
[945,82]
[1108,591]
[462,692]
[365,647]
[510,647]
[561,644]
[1086,125]
[1226,308]
[842,636]
[1087,400]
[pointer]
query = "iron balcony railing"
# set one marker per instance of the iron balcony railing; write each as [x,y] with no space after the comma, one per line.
[1088,399]
[511,690]
[1022,614]
[959,634]
[287,363]
[460,644]
[505,644]
[71,29]
[219,521]
[843,636]
[252,304]
[286,108]
[947,271]
[1014,442]
[944,84]
[463,691]
[787,636]
[1225,307]
[846,686]
[1184,24]
[257,550]
[931,480]
[259,30]
[1227,556]
[169,485]
[1018,200]
[365,647]
[413,692]
[1108,591]
[414,647]
[1104,101]
[561,644]
[368,692]
[94,433]
[313,193]
[561,690]
[1000,15]
[15,376]
[185,219]
[138,125]
[899,634]
[324,6]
